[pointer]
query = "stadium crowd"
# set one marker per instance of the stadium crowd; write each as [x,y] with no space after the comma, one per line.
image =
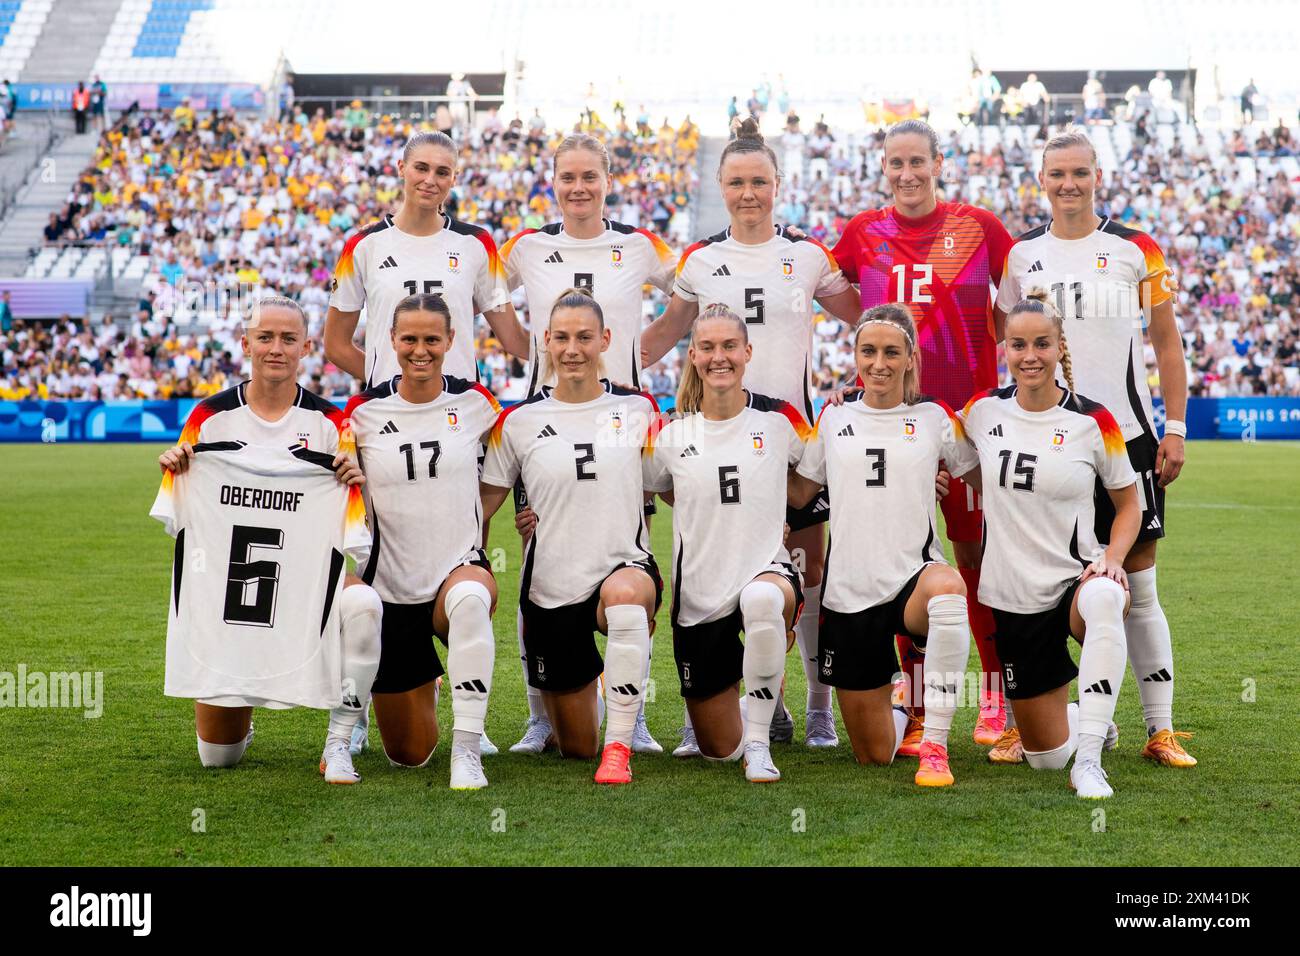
[224,205]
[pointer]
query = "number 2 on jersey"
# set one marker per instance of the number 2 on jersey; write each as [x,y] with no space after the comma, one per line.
[586,453]
[925,276]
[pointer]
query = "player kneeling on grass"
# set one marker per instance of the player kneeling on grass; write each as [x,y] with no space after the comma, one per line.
[1042,450]
[417,437]
[724,469]
[878,458]
[272,410]
[577,444]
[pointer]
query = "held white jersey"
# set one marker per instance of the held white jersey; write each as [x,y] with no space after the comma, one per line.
[616,266]
[581,464]
[729,485]
[311,421]
[1103,286]
[879,466]
[257,575]
[1039,471]
[381,265]
[422,494]
[772,286]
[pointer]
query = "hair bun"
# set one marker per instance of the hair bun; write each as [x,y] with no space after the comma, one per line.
[576,290]
[749,130]
[1038,293]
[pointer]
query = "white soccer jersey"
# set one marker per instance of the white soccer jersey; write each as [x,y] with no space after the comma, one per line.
[1039,471]
[257,575]
[879,465]
[381,265]
[581,464]
[422,495]
[616,266]
[772,286]
[729,485]
[1100,284]
[311,421]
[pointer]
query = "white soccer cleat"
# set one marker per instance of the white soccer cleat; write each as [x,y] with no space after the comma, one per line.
[466,770]
[758,763]
[486,747]
[1089,781]
[781,730]
[537,734]
[1112,737]
[689,747]
[336,762]
[820,729]
[360,734]
[642,742]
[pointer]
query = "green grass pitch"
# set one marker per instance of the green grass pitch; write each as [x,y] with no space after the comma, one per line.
[85,579]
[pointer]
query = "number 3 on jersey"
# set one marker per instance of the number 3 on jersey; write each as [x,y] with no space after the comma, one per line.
[924,275]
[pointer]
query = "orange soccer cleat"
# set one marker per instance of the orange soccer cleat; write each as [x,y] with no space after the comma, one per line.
[615,764]
[992,720]
[934,771]
[911,745]
[1008,748]
[1163,747]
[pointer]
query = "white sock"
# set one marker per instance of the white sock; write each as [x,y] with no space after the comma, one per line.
[471,653]
[1151,651]
[900,730]
[645,672]
[536,709]
[946,649]
[763,665]
[626,655]
[730,758]
[1102,660]
[805,635]
[360,613]
[220,755]
[1057,758]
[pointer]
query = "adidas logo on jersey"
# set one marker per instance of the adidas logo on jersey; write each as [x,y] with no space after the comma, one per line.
[389,263]
[389,429]
[554,257]
[547,432]
[474,686]
[846,431]
[690,452]
[722,270]
[996,431]
[1036,267]
[1159,677]
[1101,687]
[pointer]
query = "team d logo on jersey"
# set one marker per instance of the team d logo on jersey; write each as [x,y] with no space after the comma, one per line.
[616,419]
[453,420]
[453,262]
[1058,438]
[616,256]
[302,438]
[909,429]
[787,269]
[1102,262]
[757,438]
[949,244]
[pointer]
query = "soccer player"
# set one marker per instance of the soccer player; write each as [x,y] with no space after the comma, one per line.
[418,437]
[612,261]
[765,274]
[1042,450]
[938,259]
[723,468]
[421,249]
[877,457]
[1108,281]
[577,445]
[272,409]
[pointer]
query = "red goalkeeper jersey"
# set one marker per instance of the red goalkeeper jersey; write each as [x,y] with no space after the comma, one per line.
[940,266]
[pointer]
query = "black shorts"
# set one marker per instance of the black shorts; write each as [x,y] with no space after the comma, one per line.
[856,651]
[560,643]
[815,512]
[709,655]
[1142,456]
[1034,648]
[407,656]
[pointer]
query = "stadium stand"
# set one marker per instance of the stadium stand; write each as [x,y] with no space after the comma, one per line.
[20,25]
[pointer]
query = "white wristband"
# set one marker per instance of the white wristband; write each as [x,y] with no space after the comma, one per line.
[1175,427]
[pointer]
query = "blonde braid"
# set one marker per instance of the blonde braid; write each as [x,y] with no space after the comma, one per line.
[1067,367]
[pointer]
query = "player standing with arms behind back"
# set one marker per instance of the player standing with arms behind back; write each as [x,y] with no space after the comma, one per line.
[769,277]
[614,263]
[1107,281]
[938,259]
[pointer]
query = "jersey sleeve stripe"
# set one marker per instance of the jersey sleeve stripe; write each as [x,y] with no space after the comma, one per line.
[495,267]
[1111,435]
[660,247]
[801,427]
[509,247]
[988,393]
[356,517]
[344,268]
[491,399]
[958,430]
[681,263]
[494,439]
[194,424]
